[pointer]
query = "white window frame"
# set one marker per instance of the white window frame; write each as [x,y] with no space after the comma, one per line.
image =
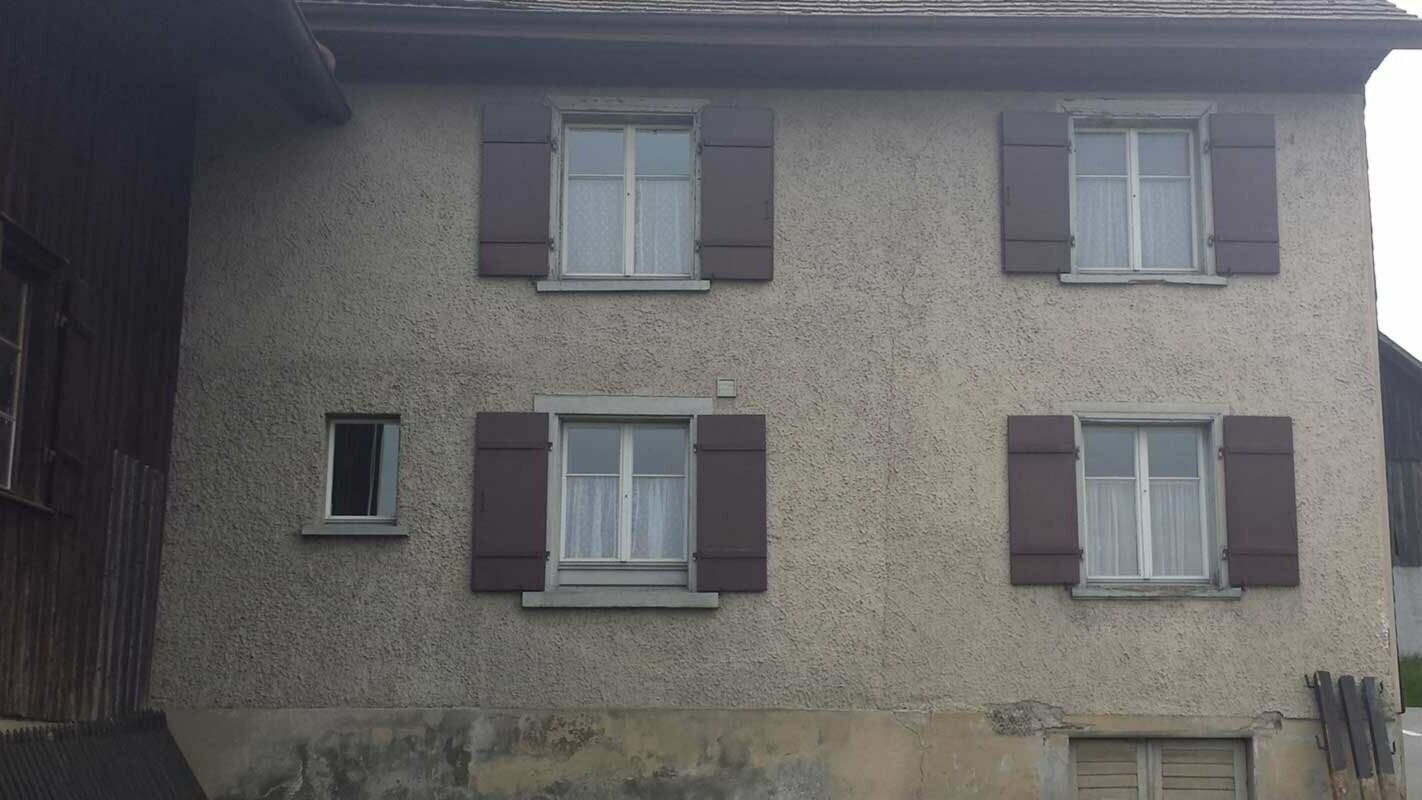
[356,419]
[623,561]
[584,574]
[1134,117]
[625,113]
[21,364]
[1211,425]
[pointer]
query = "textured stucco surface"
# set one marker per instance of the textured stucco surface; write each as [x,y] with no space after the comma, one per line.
[474,754]
[332,270]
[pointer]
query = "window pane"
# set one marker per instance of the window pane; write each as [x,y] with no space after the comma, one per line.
[590,527]
[594,449]
[1111,548]
[663,153]
[1110,452]
[9,379]
[1176,544]
[659,518]
[594,152]
[389,469]
[658,450]
[1103,223]
[594,238]
[7,439]
[663,226]
[12,303]
[1101,154]
[361,486]
[1164,153]
[1174,452]
[1166,230]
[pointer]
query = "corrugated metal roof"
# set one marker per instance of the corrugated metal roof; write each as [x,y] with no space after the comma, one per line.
[1083,9]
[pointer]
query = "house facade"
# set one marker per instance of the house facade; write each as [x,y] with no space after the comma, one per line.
[751,401]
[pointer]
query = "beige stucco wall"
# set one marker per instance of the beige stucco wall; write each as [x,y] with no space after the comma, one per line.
[332,269]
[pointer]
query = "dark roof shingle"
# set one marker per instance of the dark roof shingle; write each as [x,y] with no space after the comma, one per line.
[1083,9]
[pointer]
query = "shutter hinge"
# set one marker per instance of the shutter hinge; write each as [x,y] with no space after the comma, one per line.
[50,455]
[60,319]
[1207,146]
[1210,240]
[1221,454]
[552,244]
[696,246]
[553,143]
[1073,240]
[1076,451]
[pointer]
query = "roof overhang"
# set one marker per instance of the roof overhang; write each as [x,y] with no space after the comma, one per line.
[380,41]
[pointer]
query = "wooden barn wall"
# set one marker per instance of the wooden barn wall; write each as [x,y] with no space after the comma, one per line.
[1402,442]
[95,152]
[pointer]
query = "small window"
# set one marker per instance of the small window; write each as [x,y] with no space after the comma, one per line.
[1145,501]
[1136,200]
[1159,769]
[627,200]
[364,455]
[624,502]
[14,324]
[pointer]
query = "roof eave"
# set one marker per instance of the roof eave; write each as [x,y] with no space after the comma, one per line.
[850,29]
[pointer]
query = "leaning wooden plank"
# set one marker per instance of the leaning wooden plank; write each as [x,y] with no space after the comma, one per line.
[1358,735]
[1335,735]
[1382,750]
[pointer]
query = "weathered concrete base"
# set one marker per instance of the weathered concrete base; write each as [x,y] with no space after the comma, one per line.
[1013,751]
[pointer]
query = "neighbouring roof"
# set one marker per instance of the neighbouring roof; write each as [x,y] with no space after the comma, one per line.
[1355,10]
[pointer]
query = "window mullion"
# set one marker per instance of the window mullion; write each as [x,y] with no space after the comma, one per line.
[624,487]
[629,200]
[1133,182]
[1143,504]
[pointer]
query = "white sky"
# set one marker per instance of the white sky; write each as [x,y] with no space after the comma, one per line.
[1394,121]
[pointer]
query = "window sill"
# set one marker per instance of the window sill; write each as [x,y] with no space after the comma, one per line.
[1136,591]
[354,529]
[621,598]
[622,285]
[1185,279]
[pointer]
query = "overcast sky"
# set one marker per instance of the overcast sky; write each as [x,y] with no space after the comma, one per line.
[1395,172]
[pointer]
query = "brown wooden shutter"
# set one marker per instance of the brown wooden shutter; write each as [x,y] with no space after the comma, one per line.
[1041,500]
[516,167]
[1036,197]
[510,502]
[1263,546]
[1245,194]
[730,503]
[74,400]
[737,193]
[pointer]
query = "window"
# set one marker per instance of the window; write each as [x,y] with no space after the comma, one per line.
[14,319]
[627,199]
[1145,502]
[1159,769]
[624,502]
[363,458]
[1136,197]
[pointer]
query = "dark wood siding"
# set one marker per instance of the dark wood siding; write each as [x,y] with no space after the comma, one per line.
[95,154]
[1402,442]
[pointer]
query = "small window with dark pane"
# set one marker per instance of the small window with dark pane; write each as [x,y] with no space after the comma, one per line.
[363,461]
[14,322]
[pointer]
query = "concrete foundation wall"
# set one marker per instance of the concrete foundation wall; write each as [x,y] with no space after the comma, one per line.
[333,270]
[1016,751]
